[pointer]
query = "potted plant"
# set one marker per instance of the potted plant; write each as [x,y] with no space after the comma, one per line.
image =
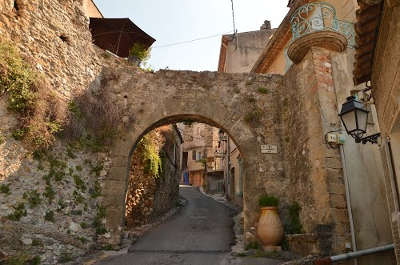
[138,53]
[269,228]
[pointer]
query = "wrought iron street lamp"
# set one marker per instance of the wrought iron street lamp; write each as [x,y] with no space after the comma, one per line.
[354,117]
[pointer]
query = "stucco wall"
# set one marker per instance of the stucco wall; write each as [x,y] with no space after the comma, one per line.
[386,90]
[91,9]
[364,172]
[279,66]
[241,54]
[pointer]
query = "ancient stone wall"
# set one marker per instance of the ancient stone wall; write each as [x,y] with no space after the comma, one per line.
[313,167]
[54,36]
[149,196]
[50,202]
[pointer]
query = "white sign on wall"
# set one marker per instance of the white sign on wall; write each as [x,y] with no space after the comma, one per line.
[269,149]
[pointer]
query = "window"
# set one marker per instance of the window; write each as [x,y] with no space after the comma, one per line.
[193,155]
[198,156]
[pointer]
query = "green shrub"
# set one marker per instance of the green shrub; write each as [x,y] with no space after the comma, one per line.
[49,193]
[93,120]
[70,152]
[253,117]
[268,201]
[36,242]
[108,247]
[252,245]
[79,183]
[35,261]
[83,239]
[33,198]
[96,190]
[78,198]
[17,79]
[49,216]
[97,222]
[294,225]
[65,257]
[19,212]
[61,205]
[47,178]
[96,169]
[73,107]
[39,155]
[140,52]
[76,212]
[59,175]
[262,90]
[5,189]
[40,111]
[84,225]
[19,259]
[19,134]
[2,138]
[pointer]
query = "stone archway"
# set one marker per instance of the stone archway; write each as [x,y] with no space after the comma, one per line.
[232,102]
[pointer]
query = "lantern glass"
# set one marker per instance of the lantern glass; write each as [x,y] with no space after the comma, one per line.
[349,121]
[221,135]
[362,120]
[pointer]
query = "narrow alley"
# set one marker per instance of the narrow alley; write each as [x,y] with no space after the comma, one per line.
[200,234]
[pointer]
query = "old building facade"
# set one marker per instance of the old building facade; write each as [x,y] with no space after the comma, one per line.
[377,63]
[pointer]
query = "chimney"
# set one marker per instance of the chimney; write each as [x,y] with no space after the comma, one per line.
[266,25]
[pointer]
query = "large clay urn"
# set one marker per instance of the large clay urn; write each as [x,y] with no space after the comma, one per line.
[269,228]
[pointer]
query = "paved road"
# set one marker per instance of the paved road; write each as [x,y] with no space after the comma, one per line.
[200,235]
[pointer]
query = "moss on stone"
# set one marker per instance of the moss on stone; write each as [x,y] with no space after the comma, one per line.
[5,189]
[19,212]
[29,97]
[33,198]
[49,216]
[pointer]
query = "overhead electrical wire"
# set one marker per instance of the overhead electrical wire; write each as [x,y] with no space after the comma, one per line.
[202,38]
[190,41]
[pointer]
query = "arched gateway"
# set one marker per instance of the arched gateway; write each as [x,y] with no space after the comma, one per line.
[245,106]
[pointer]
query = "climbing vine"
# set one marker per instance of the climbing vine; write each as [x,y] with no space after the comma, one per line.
[151,156]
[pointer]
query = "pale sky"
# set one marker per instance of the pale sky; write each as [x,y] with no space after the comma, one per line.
[172,21]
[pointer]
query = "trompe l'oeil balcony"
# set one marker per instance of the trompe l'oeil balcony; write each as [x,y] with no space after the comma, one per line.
[315,24]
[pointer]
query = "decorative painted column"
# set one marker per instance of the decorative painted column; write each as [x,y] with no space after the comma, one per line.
[316,35]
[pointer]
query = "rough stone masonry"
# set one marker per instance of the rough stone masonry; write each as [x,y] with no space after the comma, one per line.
[64,219]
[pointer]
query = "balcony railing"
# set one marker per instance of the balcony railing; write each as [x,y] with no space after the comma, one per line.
[319,16]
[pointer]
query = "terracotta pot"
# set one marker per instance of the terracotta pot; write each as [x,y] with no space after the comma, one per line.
[269,228]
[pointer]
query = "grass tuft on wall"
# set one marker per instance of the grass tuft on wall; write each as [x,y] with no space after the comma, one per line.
[40,112]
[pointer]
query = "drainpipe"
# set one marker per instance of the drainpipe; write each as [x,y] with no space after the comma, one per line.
[348,201]
[353,255]
[228,168]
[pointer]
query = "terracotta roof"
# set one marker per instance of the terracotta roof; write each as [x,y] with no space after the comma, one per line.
[368,20]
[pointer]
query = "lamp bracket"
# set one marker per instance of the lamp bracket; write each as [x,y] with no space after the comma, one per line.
[373,139]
